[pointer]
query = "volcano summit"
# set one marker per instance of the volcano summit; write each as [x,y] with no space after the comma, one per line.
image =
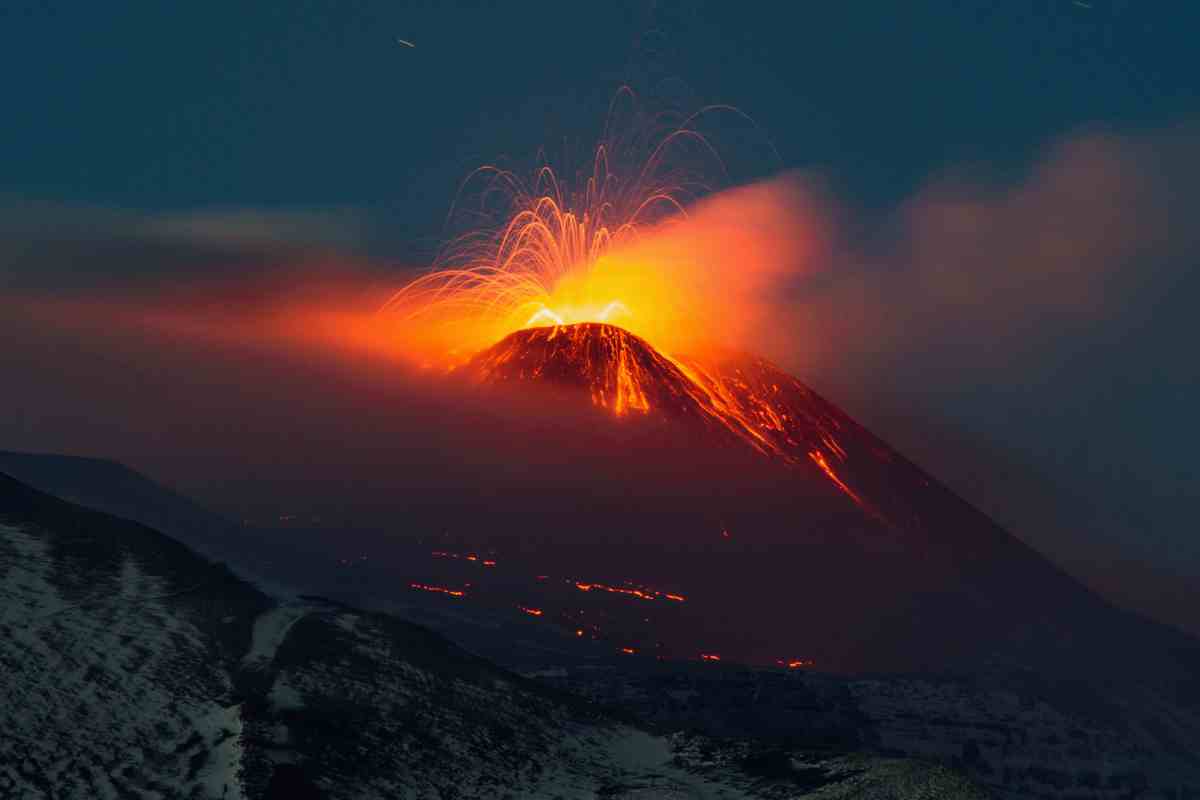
[742,399]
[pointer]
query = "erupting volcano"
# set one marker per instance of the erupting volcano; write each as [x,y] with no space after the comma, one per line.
[744,400]
[602,288]
[791,529]
[841,549]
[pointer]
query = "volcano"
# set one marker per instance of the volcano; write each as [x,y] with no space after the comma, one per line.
[734,398]
[728,402]
[794,532]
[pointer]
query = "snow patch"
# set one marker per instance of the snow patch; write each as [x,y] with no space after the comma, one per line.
[270,629]
[124,682]
[221,730]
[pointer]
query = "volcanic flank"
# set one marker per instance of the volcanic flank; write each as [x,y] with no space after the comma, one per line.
[825,543]
[744,399]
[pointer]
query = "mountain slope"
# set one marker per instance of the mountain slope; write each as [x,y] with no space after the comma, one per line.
[116,489]
[132,667]
[820,542]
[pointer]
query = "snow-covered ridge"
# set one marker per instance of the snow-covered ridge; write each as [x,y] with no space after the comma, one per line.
[119,695]
[113,693]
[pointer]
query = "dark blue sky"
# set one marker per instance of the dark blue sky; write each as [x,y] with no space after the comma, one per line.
[164,107]
[156,105]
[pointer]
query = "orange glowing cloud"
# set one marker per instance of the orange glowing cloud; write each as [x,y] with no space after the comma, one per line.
[705,280]
[701,279]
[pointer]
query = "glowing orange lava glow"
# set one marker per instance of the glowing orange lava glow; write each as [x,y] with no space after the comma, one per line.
[632,271]
[473,557]
[533,612]
[625,375]
[425,587]
[629,651]
[640,592]
[795,663]
[599,244]
[709,657]
[818,458]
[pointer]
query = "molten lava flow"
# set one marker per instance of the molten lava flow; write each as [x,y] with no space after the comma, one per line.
[472,557]
[640,592]
[425,587]
[795,663]
[818,458]
[533,612]
[748,399]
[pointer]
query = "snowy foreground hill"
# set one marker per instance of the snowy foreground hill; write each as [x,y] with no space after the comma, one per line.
[131,667]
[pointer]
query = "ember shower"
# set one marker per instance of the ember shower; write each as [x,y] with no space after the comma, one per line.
[604,274]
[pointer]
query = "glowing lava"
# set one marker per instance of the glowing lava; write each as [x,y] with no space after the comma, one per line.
[472,557]
[640,592]
[425,587]
[570,315]
[597,245]
[795,663]
[606,282]
[747,399]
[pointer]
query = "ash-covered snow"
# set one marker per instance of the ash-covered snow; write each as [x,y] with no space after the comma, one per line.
[107,694]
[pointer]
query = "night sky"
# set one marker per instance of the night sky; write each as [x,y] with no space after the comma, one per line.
[1064,407]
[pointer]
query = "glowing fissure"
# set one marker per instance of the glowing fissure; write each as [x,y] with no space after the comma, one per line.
[795,663]
[425,587]
[472,557]
[818,458]
[640,592]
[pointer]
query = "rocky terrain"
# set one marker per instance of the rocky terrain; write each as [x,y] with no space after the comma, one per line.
[1014,739]
[1126,728]
[135,668]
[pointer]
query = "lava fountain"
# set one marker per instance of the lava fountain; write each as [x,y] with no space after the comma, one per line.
[631,280]
[638,290]
[602,245]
